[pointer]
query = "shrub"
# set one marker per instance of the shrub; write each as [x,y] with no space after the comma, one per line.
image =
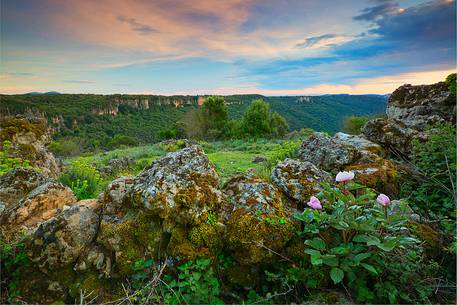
[8,163]
[65,148]
[353,124]
[356,241]
[121,140]
[82,178]
[451,82]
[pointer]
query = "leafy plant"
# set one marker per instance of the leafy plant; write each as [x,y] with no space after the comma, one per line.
[83,178]
[7,162]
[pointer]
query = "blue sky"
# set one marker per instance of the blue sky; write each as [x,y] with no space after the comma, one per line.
[272,47]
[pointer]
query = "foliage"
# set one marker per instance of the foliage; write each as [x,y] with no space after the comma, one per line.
[83,178]
[78,121]
[451,82]
[360,243]
[287,149]
[353,124]
[215,116]
[65,148]
[7,162]
[13,257]
[121,140]
[434,160]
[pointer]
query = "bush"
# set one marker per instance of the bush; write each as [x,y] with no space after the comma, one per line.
[354,124]
[121,140]
[8,163]
[356,241]
[65,148]
[83,179]
[451,82]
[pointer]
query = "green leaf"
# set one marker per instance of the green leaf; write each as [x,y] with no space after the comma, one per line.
[336,275]
[316,243]
[316,260]
[330,260]
[340,250]
[312,252]
[361,256]
[369,268]
[388,245]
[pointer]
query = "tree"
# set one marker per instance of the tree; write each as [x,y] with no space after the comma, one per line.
[353,124]
[451,82]
[215,116]
[278,125]
[256,119]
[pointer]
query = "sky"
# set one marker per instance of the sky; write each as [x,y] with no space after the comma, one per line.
[270,47]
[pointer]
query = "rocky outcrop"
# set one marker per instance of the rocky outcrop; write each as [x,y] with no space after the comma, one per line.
[410,110]
[180,187]
[29,138]
[299,180]
[257,221]
[418,106]
[326,152]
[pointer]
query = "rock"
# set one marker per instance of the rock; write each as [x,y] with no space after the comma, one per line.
[327,153]
[392,135]
[257,224]
[418,106]
[29,138]
[358,142]
[180,187]
[299,180]
[59,241]
[41,204]
[18,183]
[115,195]
[116,165]
[259,159]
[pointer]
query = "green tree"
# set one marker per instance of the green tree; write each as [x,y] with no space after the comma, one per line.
[215,115]
[278,125]
[353,124]
[451,82]
[256,119]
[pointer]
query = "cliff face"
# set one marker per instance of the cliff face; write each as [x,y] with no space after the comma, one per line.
[418,106]
[410,110]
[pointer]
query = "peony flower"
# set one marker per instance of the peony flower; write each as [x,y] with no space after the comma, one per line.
[344,176]
[314,203]
[383,200]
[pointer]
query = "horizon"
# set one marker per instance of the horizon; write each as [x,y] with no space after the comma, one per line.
[292,48]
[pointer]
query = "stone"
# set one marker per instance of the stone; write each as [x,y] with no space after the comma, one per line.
[18,183]
[114,197]
[181,187]
[358,142]
[259,159]
[59,241]
[327,153]
[418,106]
[41,204]
[29,137]
[299,180]
[394,136]
[257,223]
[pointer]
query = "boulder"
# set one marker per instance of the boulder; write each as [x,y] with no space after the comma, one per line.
[59,241]
[257,223]
[29,138]
[181,187]
[359,142]
[41,204]
[299,180]
[114,197]
[259,159]
[326,152]
[418,106]
[18,183]
[393,135]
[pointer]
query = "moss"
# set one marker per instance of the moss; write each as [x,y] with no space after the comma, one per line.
[427,234]
[242,276]
[148,231]
[180,246]
[122,239]
[10,126]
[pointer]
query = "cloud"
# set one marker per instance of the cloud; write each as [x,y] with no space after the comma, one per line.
[142,29]
[372,13]
[311,41]
[79,81]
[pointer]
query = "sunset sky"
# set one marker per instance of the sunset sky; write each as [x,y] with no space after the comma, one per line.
[271,47]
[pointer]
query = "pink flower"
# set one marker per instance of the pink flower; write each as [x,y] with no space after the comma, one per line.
[344,176]
[314,203]
[383,200]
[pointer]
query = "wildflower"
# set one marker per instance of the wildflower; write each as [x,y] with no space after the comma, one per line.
[383,200]
[344,176]
[314,203]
